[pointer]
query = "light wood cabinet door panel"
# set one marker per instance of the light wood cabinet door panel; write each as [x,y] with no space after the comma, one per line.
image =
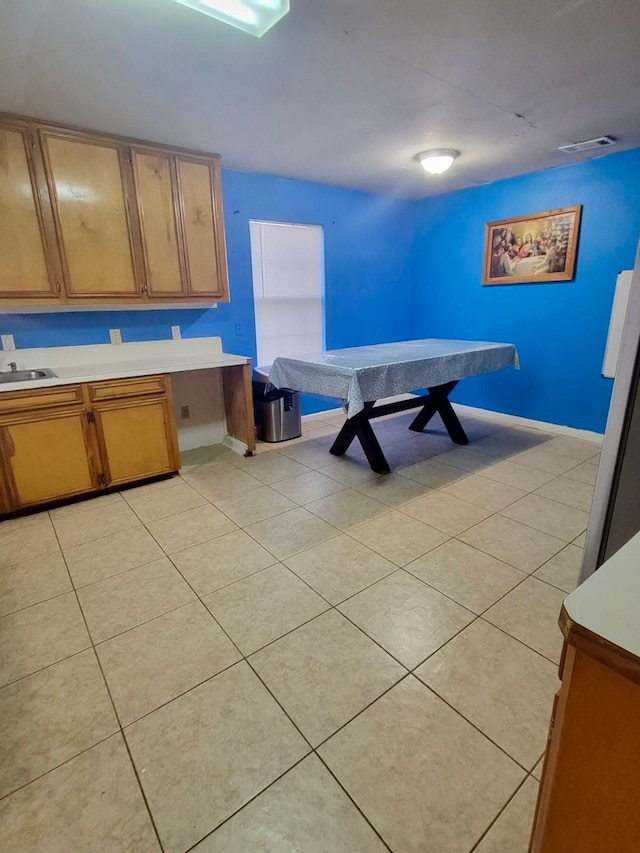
[88,190]
[158,213]
[25,269]
[48,455]
[136,439]
[201,227]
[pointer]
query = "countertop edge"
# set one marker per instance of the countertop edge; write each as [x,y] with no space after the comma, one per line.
[119,372]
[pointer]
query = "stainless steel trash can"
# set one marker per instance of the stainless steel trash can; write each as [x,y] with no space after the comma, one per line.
[277,411]
[281,416]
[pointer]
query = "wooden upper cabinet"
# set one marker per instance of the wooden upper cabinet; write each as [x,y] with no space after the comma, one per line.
[159,211]
[199,186]
[94,218]
[27,268]
[90,205]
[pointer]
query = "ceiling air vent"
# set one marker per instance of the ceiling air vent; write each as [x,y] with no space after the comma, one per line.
[588,145]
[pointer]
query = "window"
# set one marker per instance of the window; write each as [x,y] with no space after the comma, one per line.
[288,288]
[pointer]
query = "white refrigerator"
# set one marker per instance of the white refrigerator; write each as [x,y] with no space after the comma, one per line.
[615,512]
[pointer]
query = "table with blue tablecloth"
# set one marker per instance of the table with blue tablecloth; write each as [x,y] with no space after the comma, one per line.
[361,376]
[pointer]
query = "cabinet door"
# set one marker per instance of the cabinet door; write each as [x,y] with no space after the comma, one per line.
[158,210]
[199,186]
[26,266]
[47,455]
[137,439]
[90,201]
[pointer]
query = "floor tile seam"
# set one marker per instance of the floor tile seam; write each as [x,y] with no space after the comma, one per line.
[373,640]
[99,643]
[557,500]
[386,510]
[162,556]
[549,583]
[481,616]
[170,514]
[554,663]
[388,559]
[279,479]
[267,518]
[352,800]
[35,603]
[212,832]
[489,554]
[117,731]
[282,636]
[531,527]
[43,668]
[142,791]
[101,536]
[115,711]
[127,725]
[146,524]
[306,740]
[450,597]
[501,812]
[401,677]
[337,492]
[554,474]
[145,621]
[439,529]
[253,572]
[493,511]
[242,492]
[337,604]
[169,553]
[200,599]
[459,713]
[84,504]
[295,554]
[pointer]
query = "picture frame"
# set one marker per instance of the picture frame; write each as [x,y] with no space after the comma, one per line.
[532,249]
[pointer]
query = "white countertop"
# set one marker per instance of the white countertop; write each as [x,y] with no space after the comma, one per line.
[112,361]
[608,603]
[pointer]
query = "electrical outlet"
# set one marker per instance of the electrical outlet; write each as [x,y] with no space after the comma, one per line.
[8,343]
[175,333]
[238,328]
[185,413]
[115,336]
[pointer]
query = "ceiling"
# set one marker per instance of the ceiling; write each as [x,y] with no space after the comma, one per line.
[343,92]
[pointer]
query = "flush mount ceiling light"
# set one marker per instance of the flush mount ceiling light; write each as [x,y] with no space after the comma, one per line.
[252,16]
[438,160]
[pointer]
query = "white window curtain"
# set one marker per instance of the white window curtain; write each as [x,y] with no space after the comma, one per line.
[288,288]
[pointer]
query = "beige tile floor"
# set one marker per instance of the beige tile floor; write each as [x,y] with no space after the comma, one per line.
[291,653]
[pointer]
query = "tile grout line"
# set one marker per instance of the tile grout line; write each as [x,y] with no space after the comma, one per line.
[331,606]
[113,705]
[313,750]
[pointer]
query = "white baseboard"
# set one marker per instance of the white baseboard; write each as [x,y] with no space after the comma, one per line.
[235,444]
[487,414]
[499,417]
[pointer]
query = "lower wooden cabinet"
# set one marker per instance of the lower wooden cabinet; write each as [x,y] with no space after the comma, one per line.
[136,439]
[49,457]
[72,440]
[588,797]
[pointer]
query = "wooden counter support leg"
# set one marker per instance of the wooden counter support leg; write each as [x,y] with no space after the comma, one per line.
[238,404]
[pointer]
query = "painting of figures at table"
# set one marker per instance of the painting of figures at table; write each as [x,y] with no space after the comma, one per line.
[534,248]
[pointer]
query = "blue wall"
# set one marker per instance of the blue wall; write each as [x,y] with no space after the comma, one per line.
[560,328]
[368,242]
[398,269]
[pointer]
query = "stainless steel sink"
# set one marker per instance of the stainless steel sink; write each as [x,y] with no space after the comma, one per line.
[26,375]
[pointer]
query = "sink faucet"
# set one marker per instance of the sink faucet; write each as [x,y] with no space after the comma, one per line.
[14,367]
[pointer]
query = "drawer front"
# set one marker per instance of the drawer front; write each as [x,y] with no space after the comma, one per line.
[40,398]
[138,386]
